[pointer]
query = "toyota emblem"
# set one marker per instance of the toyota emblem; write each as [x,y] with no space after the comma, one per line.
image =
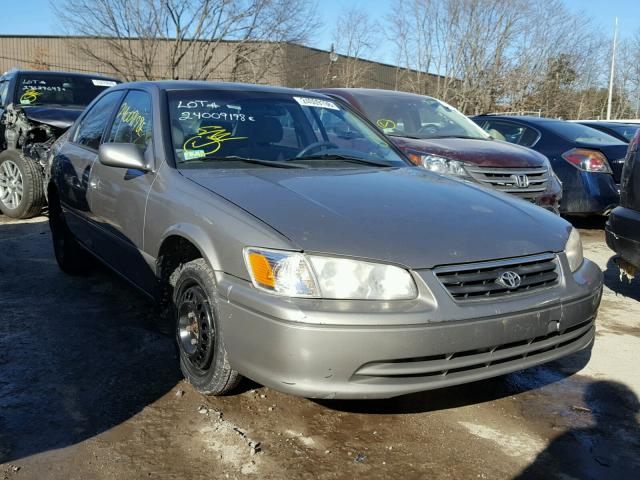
[509,280]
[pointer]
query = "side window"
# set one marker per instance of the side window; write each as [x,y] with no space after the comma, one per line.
[511,132]
[133,121]
[91,127]
[339,130]
[4,89]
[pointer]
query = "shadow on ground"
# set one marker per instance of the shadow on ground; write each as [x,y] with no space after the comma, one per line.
[621,285]
[609,448]
[592,222]
[78,355]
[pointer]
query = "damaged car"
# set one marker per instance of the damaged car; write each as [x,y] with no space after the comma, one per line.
[36,108]
[317,261]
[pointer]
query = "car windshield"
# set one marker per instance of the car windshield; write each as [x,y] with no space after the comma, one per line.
[417,116]
[236,129]
[575,132]
[47,89]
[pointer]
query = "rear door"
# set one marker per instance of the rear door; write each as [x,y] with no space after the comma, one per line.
[630,184]
[118,196]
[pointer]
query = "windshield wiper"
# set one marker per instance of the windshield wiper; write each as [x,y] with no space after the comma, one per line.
[258,161]
[414,137]
[467,137]
[337,156]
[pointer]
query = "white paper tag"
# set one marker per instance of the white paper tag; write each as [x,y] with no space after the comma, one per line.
[315,102]
[103,83]
[191,154]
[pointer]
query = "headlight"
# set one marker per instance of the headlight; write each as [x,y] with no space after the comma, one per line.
[441,165]
[573,250]
[296,275]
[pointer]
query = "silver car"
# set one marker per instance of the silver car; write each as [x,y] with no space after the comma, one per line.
[286,240]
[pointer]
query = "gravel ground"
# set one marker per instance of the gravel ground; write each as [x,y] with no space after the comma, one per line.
[89,389]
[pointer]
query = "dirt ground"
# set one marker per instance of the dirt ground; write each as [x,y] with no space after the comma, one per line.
[89,389]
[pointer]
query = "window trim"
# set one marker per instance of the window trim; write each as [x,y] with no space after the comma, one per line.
[112,120]
[90,107]
[515,123]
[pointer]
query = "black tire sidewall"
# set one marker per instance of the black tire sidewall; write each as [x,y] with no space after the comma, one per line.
[70,256]
[198,272]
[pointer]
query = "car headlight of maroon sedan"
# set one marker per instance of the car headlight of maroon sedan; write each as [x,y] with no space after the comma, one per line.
[288,241]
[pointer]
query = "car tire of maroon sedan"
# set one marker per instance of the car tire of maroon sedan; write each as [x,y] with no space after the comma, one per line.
[203,358]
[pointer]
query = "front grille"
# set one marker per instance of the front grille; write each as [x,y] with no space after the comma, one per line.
[454,364]
[506,180]
[479,280]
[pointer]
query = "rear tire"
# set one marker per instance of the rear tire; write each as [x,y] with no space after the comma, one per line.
[203,357]
[21,186]
[71,257]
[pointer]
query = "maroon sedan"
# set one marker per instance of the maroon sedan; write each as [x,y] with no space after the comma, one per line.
[440,138]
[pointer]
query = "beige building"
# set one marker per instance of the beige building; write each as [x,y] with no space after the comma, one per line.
[276,64]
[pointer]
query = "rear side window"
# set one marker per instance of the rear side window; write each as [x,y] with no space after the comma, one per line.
[133,121]
[627,131]
[512,133]
[91,127]
[575,132]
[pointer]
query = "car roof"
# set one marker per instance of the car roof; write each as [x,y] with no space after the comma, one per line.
[60,72]
[166,85]
[522,118]
[380,92]
[606,123]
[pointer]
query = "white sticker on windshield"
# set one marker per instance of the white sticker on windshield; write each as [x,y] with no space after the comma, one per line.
[315,102]
[103,83]
[191,154]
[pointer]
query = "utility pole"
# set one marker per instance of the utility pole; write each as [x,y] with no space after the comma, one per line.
[613,67]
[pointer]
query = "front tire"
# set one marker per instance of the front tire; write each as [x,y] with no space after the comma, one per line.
[21,186]
[203,357]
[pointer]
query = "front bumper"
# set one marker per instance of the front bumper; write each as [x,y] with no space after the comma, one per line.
[307,353]
[623,234]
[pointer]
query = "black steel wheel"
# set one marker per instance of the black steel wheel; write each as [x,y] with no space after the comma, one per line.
[203,357]
[196,329]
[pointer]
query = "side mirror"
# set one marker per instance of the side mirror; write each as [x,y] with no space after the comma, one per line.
[122,155]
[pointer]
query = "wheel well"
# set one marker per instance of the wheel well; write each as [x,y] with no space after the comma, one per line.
[175,251]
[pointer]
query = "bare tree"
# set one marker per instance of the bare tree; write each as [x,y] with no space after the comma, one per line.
[355,38]
[489,55]
[196,39]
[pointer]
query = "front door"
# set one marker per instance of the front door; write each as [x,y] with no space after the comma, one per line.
[118,196]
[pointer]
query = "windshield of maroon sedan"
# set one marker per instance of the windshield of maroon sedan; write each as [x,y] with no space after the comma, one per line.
[209,126]
[53,89]
[417,116]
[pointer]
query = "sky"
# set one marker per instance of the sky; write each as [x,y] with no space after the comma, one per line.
[38,18]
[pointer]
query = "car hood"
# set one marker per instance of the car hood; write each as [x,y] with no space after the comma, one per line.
[58,117]
[484,153]
[405,216]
